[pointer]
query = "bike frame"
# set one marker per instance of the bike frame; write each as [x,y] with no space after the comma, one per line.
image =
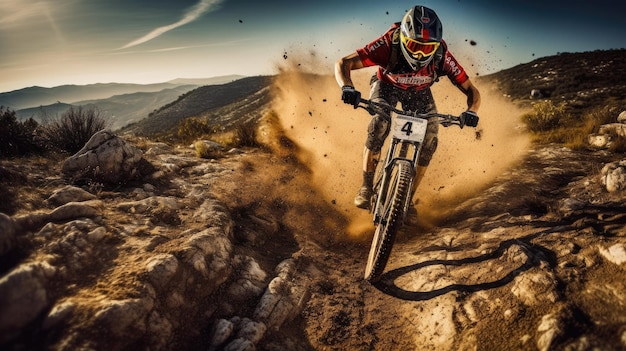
[393,187]
[406,144]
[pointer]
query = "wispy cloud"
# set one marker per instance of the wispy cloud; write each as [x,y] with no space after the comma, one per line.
[25,15]
[195,12]
[178,48]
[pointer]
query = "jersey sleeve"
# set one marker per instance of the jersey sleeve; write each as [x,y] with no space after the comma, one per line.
[378,51]
[453,69]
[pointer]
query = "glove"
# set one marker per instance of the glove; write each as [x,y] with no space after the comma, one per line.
[469,118]
[350,96]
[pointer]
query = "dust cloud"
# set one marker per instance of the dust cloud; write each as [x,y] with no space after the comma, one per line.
[330,136]
[468,159]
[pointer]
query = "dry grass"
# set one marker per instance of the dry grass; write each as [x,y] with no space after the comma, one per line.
[554,123]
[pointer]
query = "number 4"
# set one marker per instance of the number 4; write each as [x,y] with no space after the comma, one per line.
[407,128]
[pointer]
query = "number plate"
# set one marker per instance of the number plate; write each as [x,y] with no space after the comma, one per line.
[409,128]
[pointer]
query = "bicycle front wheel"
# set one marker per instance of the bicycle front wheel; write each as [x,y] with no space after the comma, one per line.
[395,196]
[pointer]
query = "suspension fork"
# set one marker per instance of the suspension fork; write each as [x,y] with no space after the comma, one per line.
[382,180]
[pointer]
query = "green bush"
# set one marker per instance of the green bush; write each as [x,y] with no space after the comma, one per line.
[73,129]
[546,116]
[16,138]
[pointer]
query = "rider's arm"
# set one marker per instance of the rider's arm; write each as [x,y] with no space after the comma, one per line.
[473,95]
[344,66]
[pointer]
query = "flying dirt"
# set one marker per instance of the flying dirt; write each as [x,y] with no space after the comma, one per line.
[330,136]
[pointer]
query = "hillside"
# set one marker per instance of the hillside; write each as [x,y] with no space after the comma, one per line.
[583,80]
[247,94]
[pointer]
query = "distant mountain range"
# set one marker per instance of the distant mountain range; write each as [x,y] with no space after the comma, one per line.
[38,96]
[119,103]
[118,110]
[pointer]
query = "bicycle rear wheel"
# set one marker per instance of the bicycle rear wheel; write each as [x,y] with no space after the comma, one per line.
[392,217]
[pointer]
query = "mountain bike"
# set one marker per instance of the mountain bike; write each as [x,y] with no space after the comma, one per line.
[394,177]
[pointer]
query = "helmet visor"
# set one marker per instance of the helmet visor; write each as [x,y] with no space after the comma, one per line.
[419,49]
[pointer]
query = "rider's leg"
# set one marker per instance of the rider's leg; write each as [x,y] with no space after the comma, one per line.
[368,168]
[428,150]
[377,131]
[411,216]
[370,160]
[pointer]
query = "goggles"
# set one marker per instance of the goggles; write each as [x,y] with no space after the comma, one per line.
[417,48]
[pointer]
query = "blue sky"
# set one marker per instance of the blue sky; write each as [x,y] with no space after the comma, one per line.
[55,42]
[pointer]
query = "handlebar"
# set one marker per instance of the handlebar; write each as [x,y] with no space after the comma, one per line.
[374,107]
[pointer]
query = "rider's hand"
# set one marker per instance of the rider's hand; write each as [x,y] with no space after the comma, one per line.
[469,118]
[350,96]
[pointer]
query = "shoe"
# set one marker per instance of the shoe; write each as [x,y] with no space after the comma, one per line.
[363,197]
[411,218]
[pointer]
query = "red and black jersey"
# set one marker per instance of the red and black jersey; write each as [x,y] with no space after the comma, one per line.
[379,51]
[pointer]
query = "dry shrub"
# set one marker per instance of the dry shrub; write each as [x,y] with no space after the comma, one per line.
[202,149]
[73,129]
[193,128]
[246,135]
[598,116]
[546,116]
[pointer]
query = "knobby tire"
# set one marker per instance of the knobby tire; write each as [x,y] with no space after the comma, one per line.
[390,221]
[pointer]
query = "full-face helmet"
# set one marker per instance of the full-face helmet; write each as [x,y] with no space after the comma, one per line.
[420,36]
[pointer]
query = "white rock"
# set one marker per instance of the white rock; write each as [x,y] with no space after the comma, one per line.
[621,118]
[105,158]
[251,330]
[69,194]
[549,329]
[599,141]
[613,176]
[161,269]
[613,129]
[615,253]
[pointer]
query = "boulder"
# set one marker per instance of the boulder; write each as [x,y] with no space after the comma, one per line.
[23,296]
[105,158]
[613,176]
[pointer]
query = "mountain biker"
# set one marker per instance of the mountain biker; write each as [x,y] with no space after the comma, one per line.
[411,56]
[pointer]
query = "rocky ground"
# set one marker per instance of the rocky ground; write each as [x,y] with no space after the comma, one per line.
[241,252]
